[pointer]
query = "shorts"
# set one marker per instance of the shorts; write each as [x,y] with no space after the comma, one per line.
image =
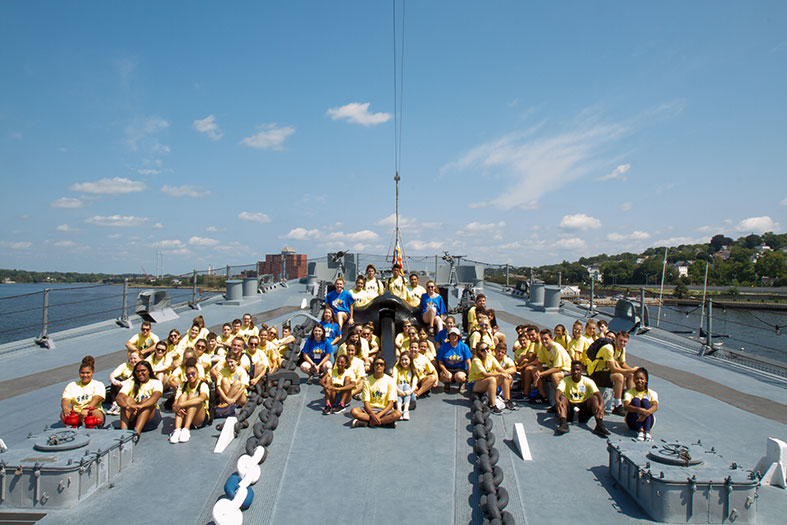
[205,422]
[225,411]
[454,370]
[583,415]
[152,423]
[602,379]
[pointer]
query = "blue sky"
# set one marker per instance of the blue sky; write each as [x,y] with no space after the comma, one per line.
[532,132]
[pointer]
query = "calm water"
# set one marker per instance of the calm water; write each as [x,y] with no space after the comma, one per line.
[750,330]
[70,305]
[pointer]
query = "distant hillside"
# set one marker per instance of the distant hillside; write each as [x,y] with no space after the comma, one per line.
[753,260]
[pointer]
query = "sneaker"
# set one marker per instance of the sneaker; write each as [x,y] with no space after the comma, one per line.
[326,410]
[405,415]
[562,429]
[357,397]
[359,423]
[309,379]
[413,404]
[510,405]
[552,409]
[496,411]
[648,437]
[601,429]
[175,436]
[114,410]
[640,436]
[619,411]
[185,435]
[339,409]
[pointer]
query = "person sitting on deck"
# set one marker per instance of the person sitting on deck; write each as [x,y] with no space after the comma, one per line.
[342,303]
[144,342]
[203,357]
[423,335]
[161,362]
[472,313]
[138,400]
[332,331]
[442,336]
[370,337]
[361,295]
[372,284]
[424,368]
[173,340]
[409,336]
[316,354]
[486,375]
[521,343]
[178,375]
[590,330]
[190,340]
[254,361]
[601,328]
[358,369]
[432,308]
[453,359]
[215,352]
[401,336]
[191,406]
[231,386]
[200,321]
[640,403]
[338,386]
[578,343]
[406,380]
[270,350]
[500,337]
[397,284]
[120,374]
[482,334]
[248,328]
[531,361]
[378,396]
[505,362]
[609,369]
[84,397]
[579,394]
[557,366]
[361,345]
[284,341]
[414,291]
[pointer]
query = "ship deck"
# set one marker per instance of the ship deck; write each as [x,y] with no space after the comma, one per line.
[318,468]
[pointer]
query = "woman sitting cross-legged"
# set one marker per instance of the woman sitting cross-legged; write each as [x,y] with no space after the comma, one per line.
[231,385]
[486,375]
[191,407]
[338,386]
[138,400]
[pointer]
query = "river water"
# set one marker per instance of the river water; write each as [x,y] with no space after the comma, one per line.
[70,305]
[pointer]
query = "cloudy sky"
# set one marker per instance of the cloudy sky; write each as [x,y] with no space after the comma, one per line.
[532,132]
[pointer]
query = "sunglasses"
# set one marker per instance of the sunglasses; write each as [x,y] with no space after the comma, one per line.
[379,364]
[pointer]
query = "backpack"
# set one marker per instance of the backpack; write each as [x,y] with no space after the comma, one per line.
[593,349]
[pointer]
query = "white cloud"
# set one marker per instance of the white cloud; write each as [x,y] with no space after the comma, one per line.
[15,245]
[65,244]
[185,191]
[209,127]
[408,223]
[203,241]
[617,174]
[419,245]
[117,220]
[169,244]
[142,128]
[359,236]
[358,113]
[633,236]
[148,171]
[302,234]
[478,227]
[579,221]
[65,228]
[67,202]
[784,202]
[677,241]
[253,217]
[530,167]
[113,236]
[160,148]
[271,136]
[476,205]
[158,225]
[626,206]
[113,186]
[571,243]
[757,225]
[214,229]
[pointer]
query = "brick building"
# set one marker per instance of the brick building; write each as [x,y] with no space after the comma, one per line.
[295,264]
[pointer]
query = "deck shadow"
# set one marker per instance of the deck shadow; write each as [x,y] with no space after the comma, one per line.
[619,499]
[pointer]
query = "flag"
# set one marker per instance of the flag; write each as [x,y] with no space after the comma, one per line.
[397,255]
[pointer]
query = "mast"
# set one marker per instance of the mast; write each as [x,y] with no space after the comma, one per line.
[661,291]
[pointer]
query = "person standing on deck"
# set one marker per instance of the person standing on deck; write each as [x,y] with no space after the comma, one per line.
[414,291]
[341,302]
[396,283]
[373,285]
[144,342]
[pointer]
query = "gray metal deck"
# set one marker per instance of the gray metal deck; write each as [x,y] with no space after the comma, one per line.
[320,469]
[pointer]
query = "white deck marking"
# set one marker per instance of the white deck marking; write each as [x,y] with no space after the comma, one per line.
[521,441]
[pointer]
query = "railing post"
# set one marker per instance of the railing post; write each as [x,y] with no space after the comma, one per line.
[642,307]
[228,272]
[560,280]
[592,293]
[507,267]
[194,303]
[123,321]
[710,325]
[44,340]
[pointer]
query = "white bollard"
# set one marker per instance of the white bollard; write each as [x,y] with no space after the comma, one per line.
[227,435]
[773,466]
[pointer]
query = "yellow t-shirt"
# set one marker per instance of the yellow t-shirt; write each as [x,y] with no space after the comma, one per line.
[146,390]
[180,373]
[405,378]
[608,352]
[577,392]
[201,388]
[338,379]
[378,392]
[472,321]
[477,366]
[477,337]
[648,394]
[543,355]
[186,342]
[239,375]
[562,341]
[558,358]
[375,287]
[123,372]
[519,350]
[361,349]
[159,365]
[358,369]
[245,332]
[576,348]
[398,287]
[257,358]
[423,366]
[362,297]
[225,340]
[81,394]
[507,363]
[141,341]
[414,294]
[271,352]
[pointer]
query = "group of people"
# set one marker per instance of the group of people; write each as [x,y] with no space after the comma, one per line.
[192,367]
[550,366]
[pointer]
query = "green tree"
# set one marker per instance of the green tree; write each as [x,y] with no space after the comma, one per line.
[681,290]
[771,264]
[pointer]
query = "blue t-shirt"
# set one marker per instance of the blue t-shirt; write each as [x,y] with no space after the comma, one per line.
[340,302]
[437,301]
[331,330]
[317,350]
[454,357]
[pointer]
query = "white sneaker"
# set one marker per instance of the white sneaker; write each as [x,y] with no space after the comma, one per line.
[640,436]
[648,437]
[175,436]
[114,410]
[185,435]
[406,415]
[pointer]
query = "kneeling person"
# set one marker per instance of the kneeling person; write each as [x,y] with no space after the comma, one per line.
[577,391]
